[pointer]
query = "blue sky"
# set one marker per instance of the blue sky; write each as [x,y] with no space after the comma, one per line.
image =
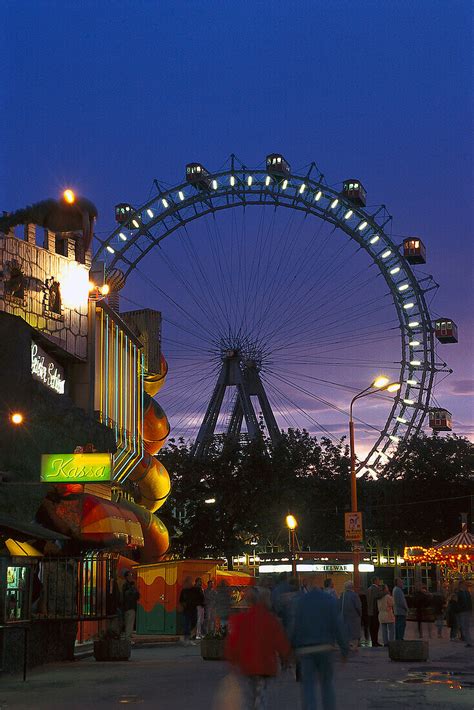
[105,96]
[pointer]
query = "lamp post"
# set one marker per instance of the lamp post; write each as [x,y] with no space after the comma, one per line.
[291,524]
[380,384]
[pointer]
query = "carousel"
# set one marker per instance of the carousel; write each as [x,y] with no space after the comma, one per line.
[454,557]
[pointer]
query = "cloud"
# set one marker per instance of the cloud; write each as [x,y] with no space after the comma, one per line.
[462,387]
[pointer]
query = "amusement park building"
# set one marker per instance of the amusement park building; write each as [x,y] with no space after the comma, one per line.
[77,380]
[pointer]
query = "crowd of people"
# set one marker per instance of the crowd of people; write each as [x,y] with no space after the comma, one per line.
[203,608]
[302,624]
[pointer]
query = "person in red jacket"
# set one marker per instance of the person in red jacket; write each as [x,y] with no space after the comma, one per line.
[255,642]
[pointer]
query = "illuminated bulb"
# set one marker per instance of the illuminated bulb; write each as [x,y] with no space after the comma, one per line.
[69,196]
[409,402]
[150,213]
[395,270]
[348,214]
[318,196]
[415,363]
[214,184]
[284,184]
[403,287]
[268,180]
[334,203]
[394,387]
[249,181]
[123,237]
[412,382]
[291,522]
[232,180]
[386,254]
[414,343]
[375,239]
[394,438]
[413,324]
[381,381]
[302,188]
[109,249]
[407,306]
[91,286]
[16,418]
[362,226]
[164,203]
[105,290]
[135,223]
[401,420]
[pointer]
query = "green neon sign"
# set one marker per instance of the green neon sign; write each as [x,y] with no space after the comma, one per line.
[76,468]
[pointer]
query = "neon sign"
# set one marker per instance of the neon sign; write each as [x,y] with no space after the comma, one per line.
[46,370]
[81,468]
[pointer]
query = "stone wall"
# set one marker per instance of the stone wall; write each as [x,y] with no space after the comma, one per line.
[47,641]
[32,285]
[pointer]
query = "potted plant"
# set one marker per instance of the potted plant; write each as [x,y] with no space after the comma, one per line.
[110,646]
[213,645]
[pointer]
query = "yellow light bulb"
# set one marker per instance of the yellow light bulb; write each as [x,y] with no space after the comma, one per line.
[380,381]
[16,418]
[105,289]
[69,196]
[291,522]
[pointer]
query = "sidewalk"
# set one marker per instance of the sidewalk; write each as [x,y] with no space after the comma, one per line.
[174,677]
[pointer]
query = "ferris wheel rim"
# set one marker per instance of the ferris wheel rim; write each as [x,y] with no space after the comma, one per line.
[242,187]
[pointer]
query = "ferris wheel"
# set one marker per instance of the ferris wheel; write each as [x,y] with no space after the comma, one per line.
[312,290]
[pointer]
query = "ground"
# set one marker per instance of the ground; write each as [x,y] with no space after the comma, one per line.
[174,677]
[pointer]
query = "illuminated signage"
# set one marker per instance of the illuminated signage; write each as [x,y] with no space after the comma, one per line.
[46,370]
[353,526]
[310,567]
[78,468]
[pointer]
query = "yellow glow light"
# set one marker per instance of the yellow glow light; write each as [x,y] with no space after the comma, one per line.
[394,387]
[69,196]
[74,280]
[291,522]
[105,289]
[16,418]
[380,381]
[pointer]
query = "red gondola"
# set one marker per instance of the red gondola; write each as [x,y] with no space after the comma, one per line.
[354,192]
[123,212]
[446,330]
[414,250]
[197,175]
[441,420]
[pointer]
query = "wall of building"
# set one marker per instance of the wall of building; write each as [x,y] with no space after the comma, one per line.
[33,277]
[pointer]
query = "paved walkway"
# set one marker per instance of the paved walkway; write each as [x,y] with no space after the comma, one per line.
[173,677]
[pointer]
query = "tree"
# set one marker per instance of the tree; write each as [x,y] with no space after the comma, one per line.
[420,494]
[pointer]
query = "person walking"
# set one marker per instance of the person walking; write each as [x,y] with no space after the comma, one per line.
[374,592]
[422,599]
[452,616]
[223,603]
[364,618]
[464,613]
[200,602]
[351,612]
[130,597]
[255,642]
[386,615]
[210,599]
[188,602]
[329,587]
[400,609]
[316,627]
[437,602]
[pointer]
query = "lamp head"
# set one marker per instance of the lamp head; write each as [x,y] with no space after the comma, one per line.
[291,522]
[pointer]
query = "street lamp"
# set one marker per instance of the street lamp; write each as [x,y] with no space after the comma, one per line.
[16,418]
[292,524]
[380,384]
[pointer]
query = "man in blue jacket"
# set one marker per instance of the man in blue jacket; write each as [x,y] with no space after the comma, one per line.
[315,629]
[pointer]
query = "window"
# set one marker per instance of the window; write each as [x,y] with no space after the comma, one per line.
[17,600]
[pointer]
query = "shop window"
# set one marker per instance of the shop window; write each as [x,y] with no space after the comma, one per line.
[17,599]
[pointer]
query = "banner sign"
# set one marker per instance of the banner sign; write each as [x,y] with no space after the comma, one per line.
[353,525]
[46,370]
[76,468]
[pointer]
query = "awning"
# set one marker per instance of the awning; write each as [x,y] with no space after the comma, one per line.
[21,549]
[235,579]
[27,531]
[107,523]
